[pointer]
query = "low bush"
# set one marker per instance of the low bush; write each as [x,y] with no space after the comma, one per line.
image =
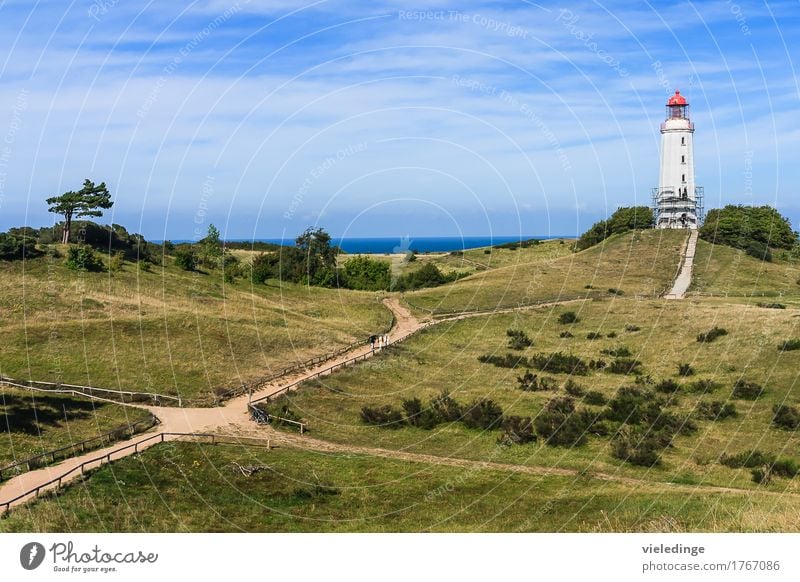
[559,363]
[385,416]
[574,389]
[759,250]
[611,334]
[446,408]
[561,425]
[595,398]
[618,352]
[518,339]
[483,414]
[517,430]
[789,345]
[593,335]
[507,361]
[417,415]
[624,366]
[632,328]
[667,386]
[568,317]
[711,335]
[186,259]
[685,370]
[744,390]
[83,258]
[771,305]
[715,410]
[702,386]
[598,364]
[785,416]
[785,468]
[565,334]
[747,459]
[613,291]
[530,382]
[637,446]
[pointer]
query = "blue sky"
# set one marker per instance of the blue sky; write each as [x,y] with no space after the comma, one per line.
[388,118]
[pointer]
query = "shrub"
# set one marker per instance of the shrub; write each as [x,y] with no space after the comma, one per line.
[83,258]
[771,305]
[530,382]
[186,259]
[711,335]
[623,220]
[746,390]
[597,364]
[761,476]
[785,468]
[618,352]
[412,407]
[685,370]
[507,361]
[715,410]
[445,408]
[702,386]
[366,274]
[629,405]
[632,328]
[116,262]
[574,389]
[518,339]
[144,266]
[637,446]
[595,398]
[747,459]
[613,291]
[759,250]
[561,425]
[558,362]
[568,317]
[18,245]
[565,334]
[517,430]
[593,335]
[624,366]
[738,226]
[385,416]
[483,413]
[611,334]
[787,417]
[789,345]
[668,386]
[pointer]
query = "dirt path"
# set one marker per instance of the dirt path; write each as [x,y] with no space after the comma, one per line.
[684,278]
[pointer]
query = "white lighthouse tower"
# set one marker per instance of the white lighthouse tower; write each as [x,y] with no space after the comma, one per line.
[677,202]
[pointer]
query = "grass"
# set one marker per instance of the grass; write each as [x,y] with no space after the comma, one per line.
[34,423]
[424,366]
[169,331]
[722,270]
[640,263]
[176,486]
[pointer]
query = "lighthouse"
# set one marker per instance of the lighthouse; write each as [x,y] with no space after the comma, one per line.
[677,202]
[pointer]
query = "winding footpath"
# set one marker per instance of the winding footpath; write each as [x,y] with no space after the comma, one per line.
[684,278]
[233,419]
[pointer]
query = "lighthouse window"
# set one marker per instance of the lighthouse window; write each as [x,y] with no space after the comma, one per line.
[683,159]
[683,177]
[683,141]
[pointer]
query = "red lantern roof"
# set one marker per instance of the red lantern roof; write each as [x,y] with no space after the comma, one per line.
[677,99]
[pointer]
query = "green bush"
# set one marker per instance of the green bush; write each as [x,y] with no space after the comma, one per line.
[559,363]
[637,446]
[574,389]
[507,361]
[613,291]
[595,398]
[116,262]
[759,250]
[702,386]
[618,352]
[483,414]
[83,258]
[624,219]
[185,258]
[685,370]
[530,382]
[632,328]
[789,345]
[445,408]
[715,410]
[518,339]
[747,459]
[517,430]
[667,386]
[611,334]
[711,335]
[593,335]
[785,416]
[366,274]
[384,416]
[565,334]
[624,366]
[740,226]
[771,305]
[561,425]
[744,390]
[568,317]
[15,247]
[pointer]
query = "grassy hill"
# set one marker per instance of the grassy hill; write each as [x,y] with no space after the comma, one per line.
[723,270]
[168,331]
[636,263]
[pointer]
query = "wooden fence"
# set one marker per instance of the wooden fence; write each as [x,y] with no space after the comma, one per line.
[106,394]
[81,447]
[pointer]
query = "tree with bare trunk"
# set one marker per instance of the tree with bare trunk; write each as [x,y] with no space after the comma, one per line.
[88,201]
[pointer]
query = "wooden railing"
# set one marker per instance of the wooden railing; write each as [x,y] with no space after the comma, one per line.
[442,313]
[80,447]
[207,438]
[263,417]
[106,394]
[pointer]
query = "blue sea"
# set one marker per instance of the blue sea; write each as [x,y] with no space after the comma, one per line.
[421,244]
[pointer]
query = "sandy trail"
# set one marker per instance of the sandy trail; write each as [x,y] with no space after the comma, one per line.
[684,278]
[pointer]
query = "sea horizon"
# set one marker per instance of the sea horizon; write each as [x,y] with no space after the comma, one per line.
[390,245]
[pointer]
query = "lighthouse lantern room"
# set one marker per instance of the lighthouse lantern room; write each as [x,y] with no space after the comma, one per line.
[677,202]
